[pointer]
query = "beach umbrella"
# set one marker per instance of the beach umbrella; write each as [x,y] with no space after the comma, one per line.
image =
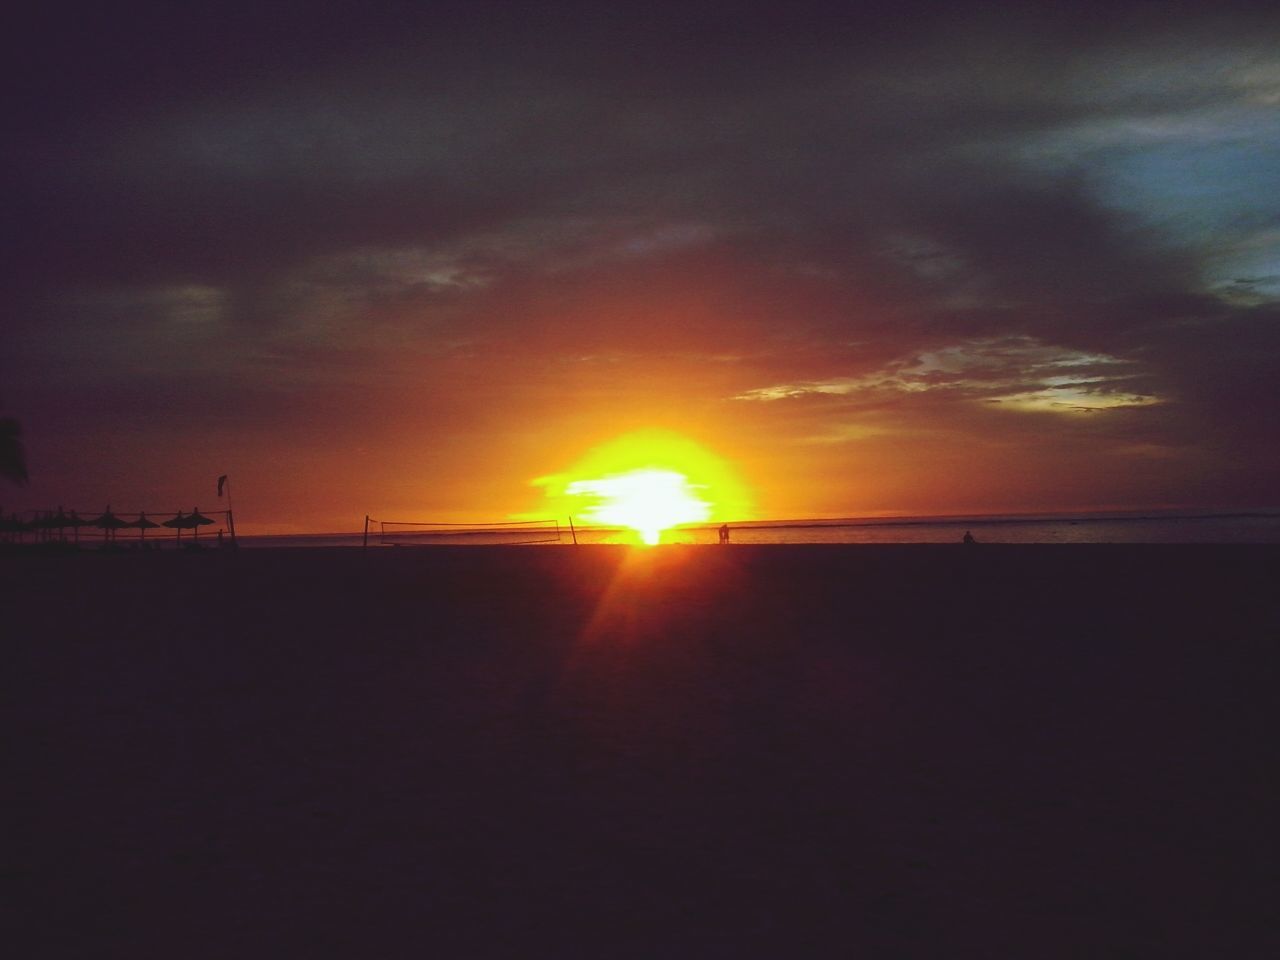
[109,523]
[196,520]
[49,521]
[143,524]
[75,522]
[178,523]
[14,524]
[192,521]
[40,523]
[58,522]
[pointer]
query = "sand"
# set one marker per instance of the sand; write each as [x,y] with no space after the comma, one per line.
[916,751]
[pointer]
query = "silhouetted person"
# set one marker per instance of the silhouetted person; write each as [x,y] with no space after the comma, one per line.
[724,533]
[968,537]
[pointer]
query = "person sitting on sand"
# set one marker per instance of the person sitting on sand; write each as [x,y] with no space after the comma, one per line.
[968,537]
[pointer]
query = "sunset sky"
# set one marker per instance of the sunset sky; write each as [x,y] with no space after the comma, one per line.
[412,260]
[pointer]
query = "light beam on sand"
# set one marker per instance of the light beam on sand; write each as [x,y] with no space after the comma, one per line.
[648,482]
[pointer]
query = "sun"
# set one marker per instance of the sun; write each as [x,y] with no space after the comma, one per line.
[648,501]
[649,482]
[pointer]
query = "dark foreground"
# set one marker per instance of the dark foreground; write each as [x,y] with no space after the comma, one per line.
[917,751]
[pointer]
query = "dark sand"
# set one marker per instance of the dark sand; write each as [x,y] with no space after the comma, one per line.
[916,751]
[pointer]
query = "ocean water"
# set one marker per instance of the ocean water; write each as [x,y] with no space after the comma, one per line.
[1252,527]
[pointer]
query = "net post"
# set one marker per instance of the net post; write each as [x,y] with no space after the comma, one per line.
[572,532]
[231,519]
[366,533]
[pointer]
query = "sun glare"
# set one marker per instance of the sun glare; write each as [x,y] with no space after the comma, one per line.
[648,482]
[647,501]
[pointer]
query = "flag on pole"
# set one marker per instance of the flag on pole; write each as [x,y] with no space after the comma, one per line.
[221,480]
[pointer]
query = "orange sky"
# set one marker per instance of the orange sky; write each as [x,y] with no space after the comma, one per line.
[962,264]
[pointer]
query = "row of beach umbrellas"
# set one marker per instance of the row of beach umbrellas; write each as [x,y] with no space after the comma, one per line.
[108,522]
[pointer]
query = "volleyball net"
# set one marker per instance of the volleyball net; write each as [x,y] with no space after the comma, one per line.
[425,533]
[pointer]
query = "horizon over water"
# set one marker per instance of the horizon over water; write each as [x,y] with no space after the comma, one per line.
[1254,526]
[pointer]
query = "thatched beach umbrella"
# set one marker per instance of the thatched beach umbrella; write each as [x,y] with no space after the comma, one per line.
[143,524]
[41,523]
[192,521]
[14,524]
[196,520]
[59,521]
[178,523]
[45,523]
[75,522]
[109,523]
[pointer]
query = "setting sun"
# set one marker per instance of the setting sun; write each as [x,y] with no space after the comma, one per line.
[648,482]
[647,501]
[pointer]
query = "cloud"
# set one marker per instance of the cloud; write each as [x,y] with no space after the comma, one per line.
[1018,373]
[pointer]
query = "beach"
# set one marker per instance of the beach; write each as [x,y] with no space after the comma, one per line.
[701,751]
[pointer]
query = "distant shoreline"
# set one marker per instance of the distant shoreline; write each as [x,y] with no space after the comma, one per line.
[1234,527]
[997,519]
[902,521]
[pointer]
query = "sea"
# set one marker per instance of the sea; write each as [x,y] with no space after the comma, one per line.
[1257,526]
